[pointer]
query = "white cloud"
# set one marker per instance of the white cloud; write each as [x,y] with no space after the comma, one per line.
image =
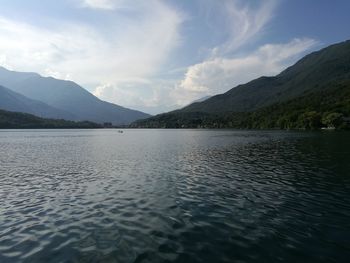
[151,96]
[3,62]
[128,49]
[220,74]
[99,4]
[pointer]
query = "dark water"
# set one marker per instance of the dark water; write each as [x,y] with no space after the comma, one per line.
[174,196]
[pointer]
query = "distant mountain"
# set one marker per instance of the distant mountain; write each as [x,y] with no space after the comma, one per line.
[19,120]
[67,96]
[300,95]
[12,101]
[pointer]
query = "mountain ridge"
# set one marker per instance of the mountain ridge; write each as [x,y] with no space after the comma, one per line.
[20,120]
[249,96]
[13,101]
[67,96]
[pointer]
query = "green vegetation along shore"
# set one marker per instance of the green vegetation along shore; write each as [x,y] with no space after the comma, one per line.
[17,120]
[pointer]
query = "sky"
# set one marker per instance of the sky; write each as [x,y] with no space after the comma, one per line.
[159,55]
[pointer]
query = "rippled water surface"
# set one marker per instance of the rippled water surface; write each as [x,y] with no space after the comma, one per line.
[174,196]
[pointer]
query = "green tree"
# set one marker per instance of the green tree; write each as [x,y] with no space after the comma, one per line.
[310,120]
[333,119]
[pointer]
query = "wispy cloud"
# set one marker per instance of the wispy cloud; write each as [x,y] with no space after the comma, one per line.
[243,23]
[247,24]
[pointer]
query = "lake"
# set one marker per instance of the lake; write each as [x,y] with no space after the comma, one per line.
[174,196]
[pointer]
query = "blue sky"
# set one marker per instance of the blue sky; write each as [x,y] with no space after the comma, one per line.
[157,55]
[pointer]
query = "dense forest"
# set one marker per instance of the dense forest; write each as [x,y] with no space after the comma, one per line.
[16,120]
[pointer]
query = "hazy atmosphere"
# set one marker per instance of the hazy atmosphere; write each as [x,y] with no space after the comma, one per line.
[157,56]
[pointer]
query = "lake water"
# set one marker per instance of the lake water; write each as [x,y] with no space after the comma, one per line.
[174,196]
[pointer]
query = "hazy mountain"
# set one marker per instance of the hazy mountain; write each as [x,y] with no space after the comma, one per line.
[12,101]
[316,86]
[19,120]
[67,96]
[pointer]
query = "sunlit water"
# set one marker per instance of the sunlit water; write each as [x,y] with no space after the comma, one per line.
[174,196]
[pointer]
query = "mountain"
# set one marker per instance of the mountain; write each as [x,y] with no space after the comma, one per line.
[19,120]
[200,99]
[301,90]
[67,96]
[197,101]
[12,101]
[313,72]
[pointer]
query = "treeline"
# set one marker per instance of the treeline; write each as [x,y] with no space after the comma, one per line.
[327,108]
[17,120]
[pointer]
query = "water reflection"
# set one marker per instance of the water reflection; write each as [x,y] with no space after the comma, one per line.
[174,195]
